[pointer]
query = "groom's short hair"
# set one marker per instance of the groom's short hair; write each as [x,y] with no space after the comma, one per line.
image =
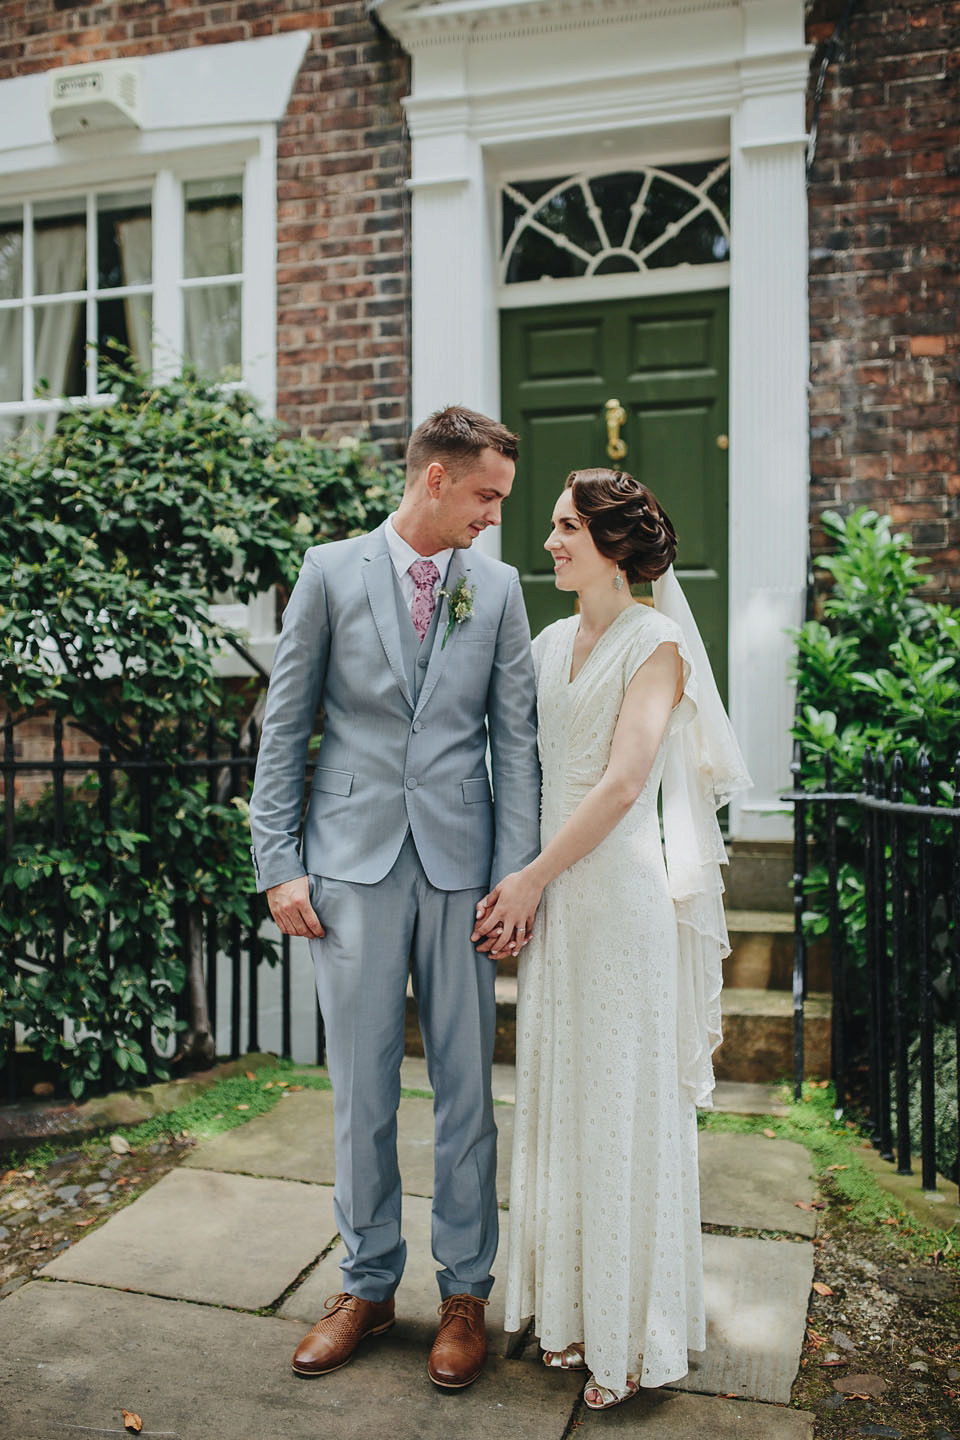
[455,436]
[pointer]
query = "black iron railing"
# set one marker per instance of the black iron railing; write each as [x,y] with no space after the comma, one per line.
[909,862]
[230,947]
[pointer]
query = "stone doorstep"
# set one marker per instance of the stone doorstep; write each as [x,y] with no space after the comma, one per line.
[758,1036]
[757,1027]
[761,953]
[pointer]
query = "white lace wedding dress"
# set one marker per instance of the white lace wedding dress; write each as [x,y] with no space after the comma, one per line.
[604,1201]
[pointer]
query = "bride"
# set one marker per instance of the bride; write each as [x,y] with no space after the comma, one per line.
[619,990]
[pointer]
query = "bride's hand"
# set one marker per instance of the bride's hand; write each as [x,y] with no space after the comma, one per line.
[505,916]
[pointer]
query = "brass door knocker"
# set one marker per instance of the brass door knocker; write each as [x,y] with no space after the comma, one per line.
[615,416]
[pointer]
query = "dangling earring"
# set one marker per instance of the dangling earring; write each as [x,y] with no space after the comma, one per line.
[618,580]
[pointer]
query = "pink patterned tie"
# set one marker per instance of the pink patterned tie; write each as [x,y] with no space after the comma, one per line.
[425,576]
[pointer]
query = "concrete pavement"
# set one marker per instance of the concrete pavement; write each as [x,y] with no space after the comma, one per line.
[186,1306]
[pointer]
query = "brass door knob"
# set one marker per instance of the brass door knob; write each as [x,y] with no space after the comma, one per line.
[615,417]
[723,442]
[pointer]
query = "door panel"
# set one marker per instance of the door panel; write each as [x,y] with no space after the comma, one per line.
[665,360]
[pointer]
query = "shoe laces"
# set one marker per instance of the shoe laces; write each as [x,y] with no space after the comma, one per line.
[337,1322]
[461,1312]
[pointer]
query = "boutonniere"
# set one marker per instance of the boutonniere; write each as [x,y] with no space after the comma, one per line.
[460,603]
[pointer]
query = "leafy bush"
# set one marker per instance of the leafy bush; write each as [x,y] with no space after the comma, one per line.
[114,537]
[880,674]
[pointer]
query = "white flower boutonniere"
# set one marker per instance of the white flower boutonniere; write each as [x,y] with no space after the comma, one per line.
[460,605]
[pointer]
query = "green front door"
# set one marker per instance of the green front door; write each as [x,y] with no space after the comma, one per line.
[665,360]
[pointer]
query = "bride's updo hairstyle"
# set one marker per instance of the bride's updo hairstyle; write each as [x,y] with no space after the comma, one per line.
[626,522]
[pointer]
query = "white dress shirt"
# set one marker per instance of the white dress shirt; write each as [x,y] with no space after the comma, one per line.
[403,556]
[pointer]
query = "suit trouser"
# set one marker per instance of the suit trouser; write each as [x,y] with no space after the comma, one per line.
[375,936]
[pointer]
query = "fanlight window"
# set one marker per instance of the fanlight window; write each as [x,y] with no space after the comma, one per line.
[634,220]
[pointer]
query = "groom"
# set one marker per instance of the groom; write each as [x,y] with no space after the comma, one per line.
[418,650]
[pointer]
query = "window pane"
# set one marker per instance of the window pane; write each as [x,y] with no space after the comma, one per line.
[128,320]
[60,246]
[213,228]
[11,354]
[212,327]
[124,240]
[59,339]
[11,254]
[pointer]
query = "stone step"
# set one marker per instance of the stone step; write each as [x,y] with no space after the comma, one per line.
[757,1027]
[758,1036]
[759,875]
[761,953]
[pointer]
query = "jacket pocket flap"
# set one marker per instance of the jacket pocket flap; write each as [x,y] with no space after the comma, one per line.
[333,782]
[474,791]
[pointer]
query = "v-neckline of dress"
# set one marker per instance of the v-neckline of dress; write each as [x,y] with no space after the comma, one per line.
[572,679]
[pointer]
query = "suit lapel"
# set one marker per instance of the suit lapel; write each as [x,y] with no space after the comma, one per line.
[377,574]
[457,570]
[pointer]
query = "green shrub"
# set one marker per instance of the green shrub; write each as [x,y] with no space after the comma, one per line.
[114,537]
[880,673]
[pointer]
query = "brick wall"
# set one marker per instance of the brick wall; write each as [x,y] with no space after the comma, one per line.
[342,276]
[884,269]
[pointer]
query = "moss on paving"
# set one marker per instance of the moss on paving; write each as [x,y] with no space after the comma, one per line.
[835,1146]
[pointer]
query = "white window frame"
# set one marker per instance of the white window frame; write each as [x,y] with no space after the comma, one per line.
[206,112]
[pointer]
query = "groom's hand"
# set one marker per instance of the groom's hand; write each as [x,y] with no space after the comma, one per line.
[291,909]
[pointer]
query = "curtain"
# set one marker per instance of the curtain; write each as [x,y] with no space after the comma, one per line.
[11,328]
[212,246]
[60,260]
[135,242]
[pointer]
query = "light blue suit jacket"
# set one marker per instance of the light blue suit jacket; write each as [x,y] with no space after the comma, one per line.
[390,760]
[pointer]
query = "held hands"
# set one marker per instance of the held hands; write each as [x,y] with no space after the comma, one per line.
[291,909]
[505,916]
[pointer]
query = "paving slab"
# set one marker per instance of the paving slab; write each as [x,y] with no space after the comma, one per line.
[756,1296]
[200,1235]
[746,1097]
[417,1296]
[667,1415]
[71,1356]
[294,1141]
[413,1076]
[753,1181]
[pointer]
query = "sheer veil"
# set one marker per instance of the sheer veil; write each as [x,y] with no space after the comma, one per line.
[702,770]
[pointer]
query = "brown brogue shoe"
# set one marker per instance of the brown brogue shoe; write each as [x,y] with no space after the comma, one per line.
[461,1345]
[334,1338]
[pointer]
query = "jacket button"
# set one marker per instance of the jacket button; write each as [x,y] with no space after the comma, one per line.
[417,727]
[411,783]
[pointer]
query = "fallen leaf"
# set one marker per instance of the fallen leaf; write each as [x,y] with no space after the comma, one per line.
[43,1088]
[838,1167]
[269,1085]
[837,1361]
[122,1180]
[219,1115]
[131,1421]
[82,1223]
[7,1176]
[861,1387]
[809,1204]
[241,1107]
[889,1220]
[250,1074]
[119,1145]
[820,1084]
[770,1134]
[294,1087]
[821,1289]
[282,1084]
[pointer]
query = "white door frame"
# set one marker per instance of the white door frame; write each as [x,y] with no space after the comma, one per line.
[498,88]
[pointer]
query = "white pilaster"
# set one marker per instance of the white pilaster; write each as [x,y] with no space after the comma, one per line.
[769,463]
